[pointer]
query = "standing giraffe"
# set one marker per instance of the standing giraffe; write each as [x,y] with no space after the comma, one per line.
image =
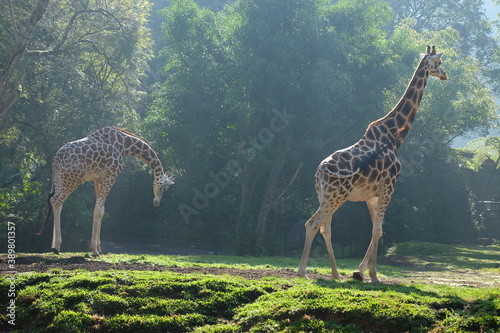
[367,170]
[98,158]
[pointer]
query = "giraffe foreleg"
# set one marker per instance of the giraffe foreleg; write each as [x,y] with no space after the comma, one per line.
[96,228]
[370,256]
[377,208]
[377,233]
[102,190]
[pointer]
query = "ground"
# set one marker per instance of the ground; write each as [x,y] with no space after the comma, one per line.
[412,271]
[44,263]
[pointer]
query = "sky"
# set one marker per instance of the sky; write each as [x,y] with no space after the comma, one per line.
[491,9]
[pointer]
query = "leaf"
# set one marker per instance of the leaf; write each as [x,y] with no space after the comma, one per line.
[485,149]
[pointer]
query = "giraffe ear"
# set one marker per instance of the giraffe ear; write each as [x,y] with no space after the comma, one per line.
[439,55]
[169,181]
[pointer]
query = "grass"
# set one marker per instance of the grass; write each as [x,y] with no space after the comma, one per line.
[163,301]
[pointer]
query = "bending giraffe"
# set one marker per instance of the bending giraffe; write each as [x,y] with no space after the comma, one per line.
[98,158]
[367,170]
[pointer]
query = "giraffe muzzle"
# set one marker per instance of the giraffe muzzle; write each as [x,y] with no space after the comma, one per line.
[441,74]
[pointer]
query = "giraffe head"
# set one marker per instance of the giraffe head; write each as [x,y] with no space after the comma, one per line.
[159,186]
[434,63]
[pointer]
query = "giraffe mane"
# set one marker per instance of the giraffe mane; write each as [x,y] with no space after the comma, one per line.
[128,133]
[401,130]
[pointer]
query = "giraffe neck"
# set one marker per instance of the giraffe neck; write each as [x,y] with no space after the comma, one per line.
[393,127]
[130,145]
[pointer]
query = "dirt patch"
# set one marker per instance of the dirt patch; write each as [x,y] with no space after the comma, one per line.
[451,276]
[43,264]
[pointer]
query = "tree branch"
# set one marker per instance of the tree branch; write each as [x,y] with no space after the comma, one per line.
[287,187]
[11,14]
[70,25]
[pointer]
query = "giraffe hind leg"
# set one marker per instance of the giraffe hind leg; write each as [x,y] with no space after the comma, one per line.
[320,221]
[56,237]
[326,231]
[57,201]
[312,227]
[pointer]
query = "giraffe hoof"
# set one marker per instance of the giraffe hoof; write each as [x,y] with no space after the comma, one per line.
[56,251]
[357,276]
[302,274]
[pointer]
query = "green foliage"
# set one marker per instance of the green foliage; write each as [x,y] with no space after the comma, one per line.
[326,301]
[240,82]
[131,301]
[483,149]
[229,73]
[70,321]
[250,98]
[467,18]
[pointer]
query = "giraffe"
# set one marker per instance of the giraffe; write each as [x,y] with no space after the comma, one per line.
[367,170]
[98,158]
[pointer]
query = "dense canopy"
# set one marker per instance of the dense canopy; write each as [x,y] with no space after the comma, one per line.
[241,100]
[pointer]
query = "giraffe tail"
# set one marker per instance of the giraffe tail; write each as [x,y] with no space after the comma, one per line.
[47,210]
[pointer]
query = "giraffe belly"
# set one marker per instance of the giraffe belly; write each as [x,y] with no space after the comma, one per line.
[362,193]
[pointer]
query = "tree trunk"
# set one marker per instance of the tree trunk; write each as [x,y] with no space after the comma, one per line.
[273,193]
[268,200]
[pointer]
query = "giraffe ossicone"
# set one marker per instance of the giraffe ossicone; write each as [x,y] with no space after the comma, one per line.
[367,170]
[99,158]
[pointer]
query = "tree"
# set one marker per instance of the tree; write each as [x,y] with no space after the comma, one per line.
[322,72]
[254,86]
[484,153]
[467,17]
[7,98]
[251,98]
[484,149]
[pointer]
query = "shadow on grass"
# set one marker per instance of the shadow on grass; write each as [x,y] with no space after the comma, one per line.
[366,286]
[50,259]
[441,256]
